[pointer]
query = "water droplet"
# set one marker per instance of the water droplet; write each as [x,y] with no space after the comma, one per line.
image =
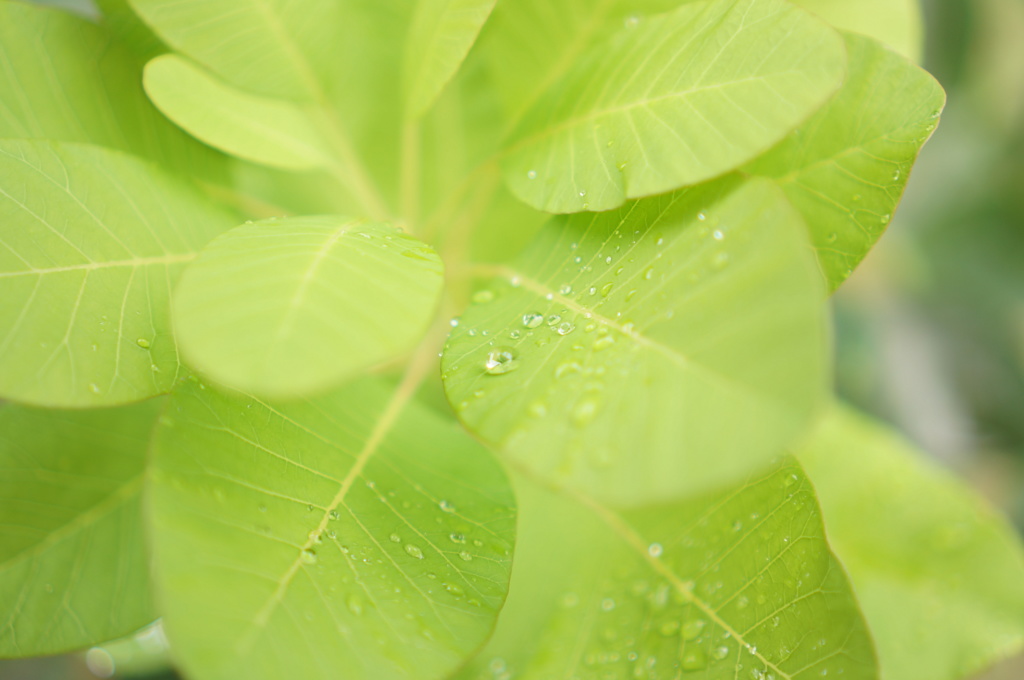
[454,589]
[483,296]
[669,628]
[583,193]
[395,538]
[501,360]
[654,550]
[414,551]
[632,21]
[446,506]
[694,659]
[896,175]
[565,328]
[604,342]
[720,652]
[94,388]
[308,556]
[532,174]
[565,289]
[832,237]
[692,628]
[466,556]
[143,343]
[454,323]
[607,604]
[718,235]
[585,411]
[533,319]
[457,537]
[606,290]
[885,218]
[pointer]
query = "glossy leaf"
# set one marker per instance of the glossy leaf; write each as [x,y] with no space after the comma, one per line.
[91,243]
[736,584]
[846,168]
[657,349]
[939,575]
[286,308]
[442,33]
[269,131]
[897,23]
[79,85]
[73,571]
[357,535]
[634,117]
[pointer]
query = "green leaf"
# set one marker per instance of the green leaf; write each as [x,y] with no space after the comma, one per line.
[441,35]
[269,131]
[286,308]
[634,117]
[79,85]
[736,584]
[531,44]
[939,575]
[73,569]
[359,535]
[121,20]
[897,23]
[651,351]
[845,169]
[91,243]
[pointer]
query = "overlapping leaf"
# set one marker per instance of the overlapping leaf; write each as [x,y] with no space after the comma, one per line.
[939,575]
[73,570]
[357,535]
[79,85]
[846,168]
[441,34]
[91,243]
[648,351]
[290,307]
[673,100]
[897,23]
[735,584]
[260,129]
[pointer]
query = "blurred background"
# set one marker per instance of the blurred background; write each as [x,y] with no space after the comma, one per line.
[930,329]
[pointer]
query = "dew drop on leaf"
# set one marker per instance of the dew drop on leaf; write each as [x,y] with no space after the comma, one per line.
[414,551]
[533,319]
[692,628]
[500,361]
[308,556]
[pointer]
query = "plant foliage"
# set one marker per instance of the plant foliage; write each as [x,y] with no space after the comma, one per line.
[234,235]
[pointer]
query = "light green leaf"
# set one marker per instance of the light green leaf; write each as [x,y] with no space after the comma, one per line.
[286,308]
[635,118]
[846,168]
[531,44]
[121,20]
[646,352]
[736,584]
[269,131]
[441,35]
[897,23]
[359,535]
[91,243]
[277,48]
[73,569]
[78,85]
[939,575]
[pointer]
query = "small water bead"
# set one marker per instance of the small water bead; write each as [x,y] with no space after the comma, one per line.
[532,174]
[456,537]
[466,556]
[632,21]
[720,652]
[885,218]
[655,549]
[553,319]
[454,589]
[583,193]
[607,604]
[565,328]
[606,290]
[500,361]
[585,411]
[143,343]
[414,551]
[94,388]
[692,628]
[533,319]
[308,556]
[701,216]
[604,342]
[718,235]
[447,506]
[565,290]
[515,334]
[395,538]
[483,296]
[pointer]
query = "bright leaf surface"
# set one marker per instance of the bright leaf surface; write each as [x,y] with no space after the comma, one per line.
[270,131]
[939,575]
[80,86]
[441,35]
[358,535]
[122,21]
[73,570]
[846,168]
[635,117]
[736,584]
[657,349]
[91,244]
[288,307]
[897,23]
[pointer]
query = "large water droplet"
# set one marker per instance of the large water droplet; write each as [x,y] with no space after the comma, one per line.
[143,343]
[533,319]
[414,551]
[565,328]
[501,360]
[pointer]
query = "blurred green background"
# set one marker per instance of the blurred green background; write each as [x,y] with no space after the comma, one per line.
[929,331]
